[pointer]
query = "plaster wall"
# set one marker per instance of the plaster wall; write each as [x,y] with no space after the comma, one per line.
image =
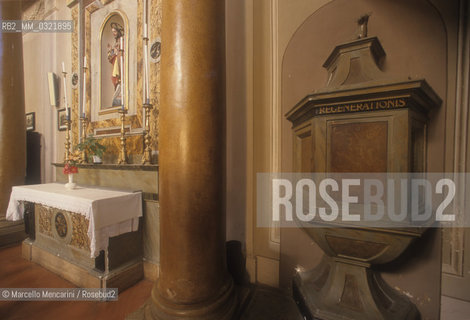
[236,96]
[43,53]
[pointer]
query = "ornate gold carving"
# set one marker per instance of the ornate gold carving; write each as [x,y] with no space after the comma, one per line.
[45,216]
[155,33]
[67,140]
[147,156]
[92,7]
[80,232]
[134,143]
[84,121]
[77,225]
[123,153]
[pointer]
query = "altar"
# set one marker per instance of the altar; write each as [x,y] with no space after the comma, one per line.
[89,235]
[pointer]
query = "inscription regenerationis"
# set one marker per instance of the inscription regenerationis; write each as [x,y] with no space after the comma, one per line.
[362,106]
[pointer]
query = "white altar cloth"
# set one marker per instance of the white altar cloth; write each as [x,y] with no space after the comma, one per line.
[109,212]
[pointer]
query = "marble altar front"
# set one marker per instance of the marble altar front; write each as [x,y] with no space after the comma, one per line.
[90,236]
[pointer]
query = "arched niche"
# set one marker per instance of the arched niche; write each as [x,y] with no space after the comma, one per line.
[412,34]
[114,28]
[415,40]
[98,35]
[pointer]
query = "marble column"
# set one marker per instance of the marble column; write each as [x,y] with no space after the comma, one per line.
[194,282]
[12,115]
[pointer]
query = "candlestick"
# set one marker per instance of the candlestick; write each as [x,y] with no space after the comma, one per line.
[144,84]
[123,153]
[84,120]
[147,156]
[122,72]
[67,140]
[146,73]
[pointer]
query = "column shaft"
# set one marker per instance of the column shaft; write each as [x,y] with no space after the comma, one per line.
[12,112]
[194,282]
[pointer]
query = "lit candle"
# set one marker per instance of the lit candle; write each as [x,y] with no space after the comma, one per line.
[146,74]
[84,88]
[145,20]
[145,86]
[122,72]
[144,69]
[65,90]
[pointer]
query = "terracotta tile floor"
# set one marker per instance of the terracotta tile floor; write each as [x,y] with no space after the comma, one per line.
[16,272]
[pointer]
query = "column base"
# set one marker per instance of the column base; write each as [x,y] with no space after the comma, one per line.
[340,290]
[223,307]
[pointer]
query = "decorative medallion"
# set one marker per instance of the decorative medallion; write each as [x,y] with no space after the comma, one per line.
[75,80]
[155,50]
[61,225]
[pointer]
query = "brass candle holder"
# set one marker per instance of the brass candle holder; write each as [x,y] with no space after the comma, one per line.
[147,156]
[84,122]
[123,154]
[67,140]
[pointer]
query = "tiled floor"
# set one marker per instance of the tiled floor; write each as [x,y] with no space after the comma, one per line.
[453,309]
[264,303]
[16,272]
[270,304]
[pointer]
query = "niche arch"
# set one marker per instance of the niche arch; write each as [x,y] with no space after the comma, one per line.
[109,63]
[415,40]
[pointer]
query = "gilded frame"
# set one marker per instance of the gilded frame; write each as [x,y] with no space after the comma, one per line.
[101,110]
[61,116]
[30,121]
